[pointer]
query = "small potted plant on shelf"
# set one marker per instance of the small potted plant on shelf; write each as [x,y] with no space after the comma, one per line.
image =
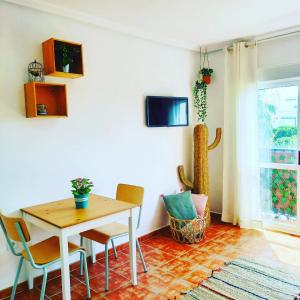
[67,55]
[67,58]
[81,189]
[206,74]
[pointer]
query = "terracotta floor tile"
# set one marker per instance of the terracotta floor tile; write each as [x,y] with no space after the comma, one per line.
[156,280]
[145,249]
[33,294]
[178,267]
[115,281]
[198,257]
[130,292]
[54,285]
[115,262]
[94,270]
[78,292]
[197,275]
[158,257]
[176,288]
[7,292]
[175,248]
[51,275]
[124,269]
[213,263]
[157,242]
[174,267]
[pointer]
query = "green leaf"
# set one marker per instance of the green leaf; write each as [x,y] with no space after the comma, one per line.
[288,210]
[283,200]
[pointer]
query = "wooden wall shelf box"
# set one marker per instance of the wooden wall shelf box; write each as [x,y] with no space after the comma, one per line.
[52,57]
[54,95]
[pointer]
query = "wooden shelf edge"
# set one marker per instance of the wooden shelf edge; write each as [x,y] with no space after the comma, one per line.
[64,75]
[47,116]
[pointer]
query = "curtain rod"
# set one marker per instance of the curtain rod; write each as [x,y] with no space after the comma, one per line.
[262,40]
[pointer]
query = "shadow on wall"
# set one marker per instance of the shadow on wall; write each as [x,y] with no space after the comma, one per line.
[161,214]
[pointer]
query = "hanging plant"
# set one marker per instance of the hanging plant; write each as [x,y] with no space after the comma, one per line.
[206,75]
[200,100]
[200,88]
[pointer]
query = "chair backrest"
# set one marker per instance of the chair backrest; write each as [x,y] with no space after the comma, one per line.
[130,193]
[10,230]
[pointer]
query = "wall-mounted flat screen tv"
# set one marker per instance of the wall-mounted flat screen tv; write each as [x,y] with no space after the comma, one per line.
[164,111]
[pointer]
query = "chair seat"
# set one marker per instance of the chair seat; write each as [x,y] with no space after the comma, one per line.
[48,250]
[103,233]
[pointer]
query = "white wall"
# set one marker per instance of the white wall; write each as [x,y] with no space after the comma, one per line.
[104,137]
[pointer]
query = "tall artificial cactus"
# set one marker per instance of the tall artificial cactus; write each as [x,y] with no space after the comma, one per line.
[201,178]
[201,147]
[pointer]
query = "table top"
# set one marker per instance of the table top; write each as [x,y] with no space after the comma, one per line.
[63,213]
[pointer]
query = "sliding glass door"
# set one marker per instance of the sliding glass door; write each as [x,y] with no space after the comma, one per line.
[278,111]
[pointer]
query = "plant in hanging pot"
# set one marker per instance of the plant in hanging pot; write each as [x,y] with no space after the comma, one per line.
[206,74]
[81,189]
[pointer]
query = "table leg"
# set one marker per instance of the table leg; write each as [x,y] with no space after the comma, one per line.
[92,250]
[65,272]
[28,267]
[29,274]
[132,246]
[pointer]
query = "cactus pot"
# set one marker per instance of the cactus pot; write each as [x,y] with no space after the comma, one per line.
[82,201]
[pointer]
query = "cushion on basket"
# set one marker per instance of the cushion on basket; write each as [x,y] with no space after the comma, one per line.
[200,203]
[181,206]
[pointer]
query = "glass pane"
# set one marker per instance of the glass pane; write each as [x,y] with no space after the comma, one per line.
[277,120]
[278,191]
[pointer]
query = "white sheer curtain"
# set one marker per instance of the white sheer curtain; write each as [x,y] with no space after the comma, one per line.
[240,146]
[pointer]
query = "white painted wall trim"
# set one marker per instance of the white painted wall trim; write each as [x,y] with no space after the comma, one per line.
[103,23]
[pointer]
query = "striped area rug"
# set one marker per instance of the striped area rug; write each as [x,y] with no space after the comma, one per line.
[247,279]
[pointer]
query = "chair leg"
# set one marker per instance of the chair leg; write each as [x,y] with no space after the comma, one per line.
[141,256]
[115,250]
[106,267]
[13,293]
[42,296]
[86,275]
[81,256]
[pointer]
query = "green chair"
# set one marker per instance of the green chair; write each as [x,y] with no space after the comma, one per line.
[40,255]
[107,233]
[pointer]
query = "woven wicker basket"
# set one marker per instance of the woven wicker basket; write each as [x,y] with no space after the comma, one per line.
[188,231]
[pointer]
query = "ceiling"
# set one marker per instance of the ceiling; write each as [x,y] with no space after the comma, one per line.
[187,23]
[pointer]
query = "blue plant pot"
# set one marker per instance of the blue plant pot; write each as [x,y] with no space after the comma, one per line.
[82,201]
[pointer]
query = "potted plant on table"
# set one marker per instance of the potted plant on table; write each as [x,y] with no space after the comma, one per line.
[81,189]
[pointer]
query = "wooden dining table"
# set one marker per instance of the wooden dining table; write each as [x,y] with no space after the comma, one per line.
[61,218]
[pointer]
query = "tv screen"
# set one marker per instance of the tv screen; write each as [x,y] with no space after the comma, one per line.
[167,111]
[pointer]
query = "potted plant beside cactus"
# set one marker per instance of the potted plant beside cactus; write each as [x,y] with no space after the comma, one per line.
[81,187]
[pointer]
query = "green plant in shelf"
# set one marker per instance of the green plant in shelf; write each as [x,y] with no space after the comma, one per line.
[67,55]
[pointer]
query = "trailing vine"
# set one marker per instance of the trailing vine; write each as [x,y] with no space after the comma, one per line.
[200,100]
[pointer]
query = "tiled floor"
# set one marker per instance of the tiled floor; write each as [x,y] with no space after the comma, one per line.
[173,267]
